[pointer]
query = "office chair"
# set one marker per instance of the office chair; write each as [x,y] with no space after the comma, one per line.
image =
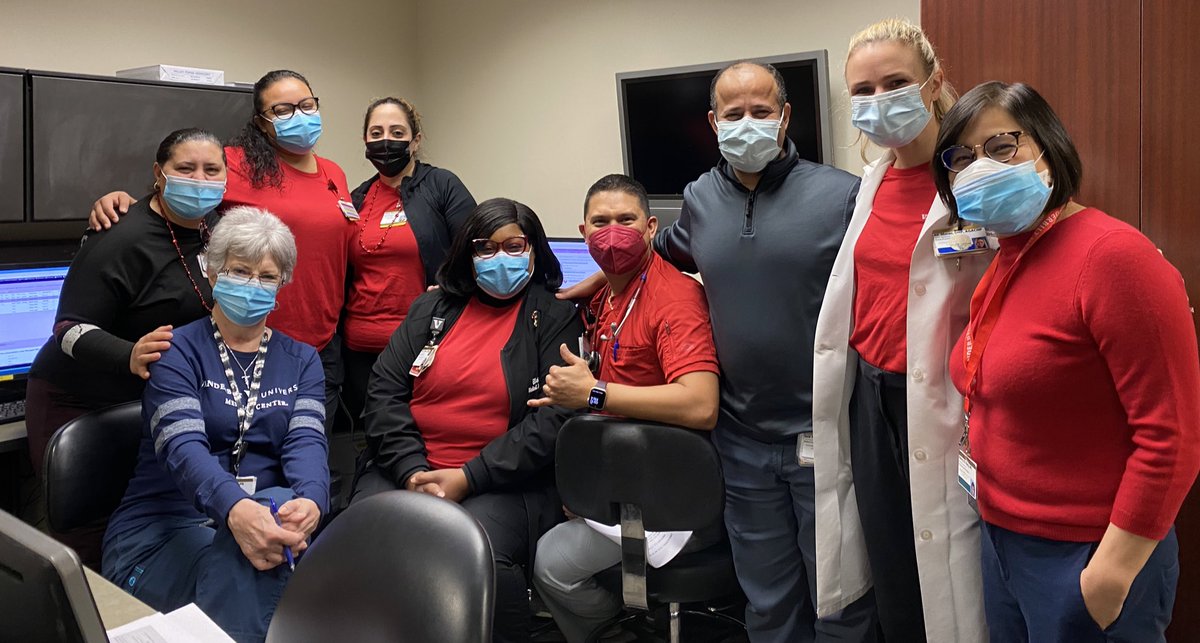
[648,476]
[399,566]
[88,464]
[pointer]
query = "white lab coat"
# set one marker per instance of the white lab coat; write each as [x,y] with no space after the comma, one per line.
[945,528]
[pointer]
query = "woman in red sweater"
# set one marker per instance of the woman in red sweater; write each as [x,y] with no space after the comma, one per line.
[272,166]
[1081,386]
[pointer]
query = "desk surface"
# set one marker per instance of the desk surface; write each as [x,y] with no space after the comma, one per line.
[12,436]
[115,606]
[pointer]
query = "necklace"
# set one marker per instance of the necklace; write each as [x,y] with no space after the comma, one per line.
[362,226]
[245,369]
[179,253]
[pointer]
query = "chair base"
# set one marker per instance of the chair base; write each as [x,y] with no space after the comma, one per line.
[651,624]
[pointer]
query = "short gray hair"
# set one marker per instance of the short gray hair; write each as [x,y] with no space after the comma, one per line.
[251,234]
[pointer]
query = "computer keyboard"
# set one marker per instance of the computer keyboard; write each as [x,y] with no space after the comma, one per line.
[12,411]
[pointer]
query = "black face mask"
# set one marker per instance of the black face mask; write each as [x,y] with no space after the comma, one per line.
[388,156]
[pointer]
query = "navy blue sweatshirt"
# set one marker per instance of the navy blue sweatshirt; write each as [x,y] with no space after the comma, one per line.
[190,425]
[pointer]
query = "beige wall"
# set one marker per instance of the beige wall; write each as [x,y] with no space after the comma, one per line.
[519,98]
[336,48]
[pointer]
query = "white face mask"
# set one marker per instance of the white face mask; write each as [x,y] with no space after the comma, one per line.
[749,143]
[891,119]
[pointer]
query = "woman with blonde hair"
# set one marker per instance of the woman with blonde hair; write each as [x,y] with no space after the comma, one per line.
[886,418]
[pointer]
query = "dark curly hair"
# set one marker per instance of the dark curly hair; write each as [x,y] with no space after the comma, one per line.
[261,158]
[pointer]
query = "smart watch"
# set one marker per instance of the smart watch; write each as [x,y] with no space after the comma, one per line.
[597,396]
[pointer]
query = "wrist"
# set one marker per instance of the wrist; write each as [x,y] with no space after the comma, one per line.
[1108,574]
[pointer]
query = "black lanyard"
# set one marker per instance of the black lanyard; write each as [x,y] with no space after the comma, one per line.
[245,412]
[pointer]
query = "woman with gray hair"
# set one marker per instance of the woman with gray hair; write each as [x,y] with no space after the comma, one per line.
[233,417]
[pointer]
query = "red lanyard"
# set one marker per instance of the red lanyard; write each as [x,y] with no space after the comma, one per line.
[985,311]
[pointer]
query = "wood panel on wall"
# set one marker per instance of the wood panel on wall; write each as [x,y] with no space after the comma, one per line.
[1121,74]
[1080,57]
[1170,216]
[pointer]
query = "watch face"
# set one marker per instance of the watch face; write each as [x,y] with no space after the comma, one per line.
[596,398]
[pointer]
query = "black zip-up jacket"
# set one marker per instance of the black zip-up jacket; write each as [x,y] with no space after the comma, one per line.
[765,257]
[437,205]
[525,452]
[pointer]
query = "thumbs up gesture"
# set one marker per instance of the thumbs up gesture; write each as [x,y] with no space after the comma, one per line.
[567,385]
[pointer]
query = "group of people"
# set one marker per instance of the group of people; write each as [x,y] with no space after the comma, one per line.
[883,480]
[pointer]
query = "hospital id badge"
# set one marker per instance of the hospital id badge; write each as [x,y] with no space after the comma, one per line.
[424,360]
[249,484]
[202,261]
[393,218]
[955,242]
[348,210]
[966,475]
[804,450]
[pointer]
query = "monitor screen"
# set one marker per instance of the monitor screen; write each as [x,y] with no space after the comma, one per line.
[576,262]
[667,139]
[28,303]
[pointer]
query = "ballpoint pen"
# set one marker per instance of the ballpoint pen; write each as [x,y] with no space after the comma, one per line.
[287,551]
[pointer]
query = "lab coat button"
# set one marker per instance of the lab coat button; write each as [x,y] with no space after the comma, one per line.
[919,289]
[919,454]
[918,375]
[926,534]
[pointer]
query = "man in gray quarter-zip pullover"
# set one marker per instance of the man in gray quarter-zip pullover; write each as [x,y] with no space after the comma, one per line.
[763,228]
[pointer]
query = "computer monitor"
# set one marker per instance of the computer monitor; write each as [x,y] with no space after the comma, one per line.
[576,261]
[28,303]
[44,595]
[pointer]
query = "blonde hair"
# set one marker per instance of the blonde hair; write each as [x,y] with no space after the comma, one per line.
[903,31]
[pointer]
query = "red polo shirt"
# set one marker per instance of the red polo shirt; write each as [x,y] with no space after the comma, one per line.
[308,308]
[667,333]
[386,273]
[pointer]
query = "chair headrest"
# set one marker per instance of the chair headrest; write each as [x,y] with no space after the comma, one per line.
[672,473]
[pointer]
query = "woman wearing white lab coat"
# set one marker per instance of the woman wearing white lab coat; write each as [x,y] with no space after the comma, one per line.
[925,561]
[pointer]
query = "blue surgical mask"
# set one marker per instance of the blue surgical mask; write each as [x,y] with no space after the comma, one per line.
[502,275]
[244,303]
[299,133]
[1005,199]
[891,119]
[192,198]
[750,143]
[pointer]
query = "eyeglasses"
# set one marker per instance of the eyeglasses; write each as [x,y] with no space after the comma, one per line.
[243,277]
[284,111]
[486,248]
[1002,147]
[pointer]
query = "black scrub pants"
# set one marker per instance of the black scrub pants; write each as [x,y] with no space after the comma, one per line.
[879,463]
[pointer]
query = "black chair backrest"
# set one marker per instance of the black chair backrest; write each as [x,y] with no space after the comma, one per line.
[89,462]
[399,566]
[672,474]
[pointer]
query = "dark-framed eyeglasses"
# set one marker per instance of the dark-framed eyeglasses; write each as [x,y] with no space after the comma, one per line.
[512,246]
[284,111]
[1002,147]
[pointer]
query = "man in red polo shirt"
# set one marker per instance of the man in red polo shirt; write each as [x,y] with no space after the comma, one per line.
[652,340]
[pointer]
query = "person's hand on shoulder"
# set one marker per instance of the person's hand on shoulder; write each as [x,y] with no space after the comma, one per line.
[261,540]
[108,209]
[148,350]
[585,289]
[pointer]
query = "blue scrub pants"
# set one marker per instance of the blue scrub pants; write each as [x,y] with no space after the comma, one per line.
[1031,591]
[175,561]
[770,516]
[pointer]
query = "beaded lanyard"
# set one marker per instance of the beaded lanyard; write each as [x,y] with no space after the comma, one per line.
[362,227]
[179,253]
[245,412]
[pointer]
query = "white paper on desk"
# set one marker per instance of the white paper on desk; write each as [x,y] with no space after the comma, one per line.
[187,624]
[661,546]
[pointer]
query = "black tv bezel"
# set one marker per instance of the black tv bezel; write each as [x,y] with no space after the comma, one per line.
[819,57]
